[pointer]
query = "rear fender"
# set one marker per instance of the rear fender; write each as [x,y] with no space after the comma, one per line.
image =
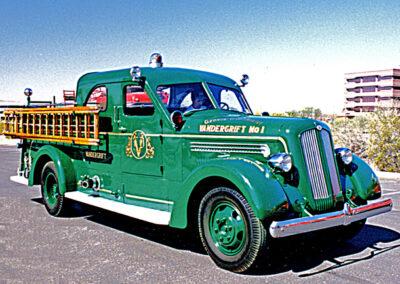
[63,164]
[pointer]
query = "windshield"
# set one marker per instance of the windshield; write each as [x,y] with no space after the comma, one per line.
[184,97]
[229,99]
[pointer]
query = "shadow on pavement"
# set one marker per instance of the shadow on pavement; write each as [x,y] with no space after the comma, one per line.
[175,238]
[299,254]
[172,237]
[76,210]
[304,253]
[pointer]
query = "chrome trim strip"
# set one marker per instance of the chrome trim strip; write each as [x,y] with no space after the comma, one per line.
[228,147]
[148,199]
[331,162]
[105,190]
[205,136]
[280,229]
[226,144]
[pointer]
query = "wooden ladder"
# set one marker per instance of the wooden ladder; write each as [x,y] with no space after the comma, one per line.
[75,125]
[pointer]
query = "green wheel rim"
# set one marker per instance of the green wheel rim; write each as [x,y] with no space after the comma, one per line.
[50,190]
[227,228]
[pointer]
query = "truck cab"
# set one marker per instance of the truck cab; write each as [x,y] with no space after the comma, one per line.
[182,147]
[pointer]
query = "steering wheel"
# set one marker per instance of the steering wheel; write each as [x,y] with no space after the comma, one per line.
[223,105]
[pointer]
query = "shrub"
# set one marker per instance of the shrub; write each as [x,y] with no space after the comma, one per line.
[351,133]
[384,141]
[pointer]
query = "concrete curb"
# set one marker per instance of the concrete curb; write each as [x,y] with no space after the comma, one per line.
[8,142]
[387,175]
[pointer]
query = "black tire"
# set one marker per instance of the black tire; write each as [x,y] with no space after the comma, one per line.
[50,189]
[237,249]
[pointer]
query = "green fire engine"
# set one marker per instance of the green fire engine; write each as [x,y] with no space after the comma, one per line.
[182,148]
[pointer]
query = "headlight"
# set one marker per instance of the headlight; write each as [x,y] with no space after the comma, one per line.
[345,155]
[281,161]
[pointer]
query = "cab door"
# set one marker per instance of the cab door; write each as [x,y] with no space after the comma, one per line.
[141,153]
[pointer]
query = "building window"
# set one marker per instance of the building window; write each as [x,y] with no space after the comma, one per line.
[368,109]
[368,99]
[383,88]
[368,89]
[353,90]
[367,79]
[98,97]
[382,78]
[354,80]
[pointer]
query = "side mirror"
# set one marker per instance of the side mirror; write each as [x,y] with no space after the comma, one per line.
[177,119]
[244,80]
[265,113]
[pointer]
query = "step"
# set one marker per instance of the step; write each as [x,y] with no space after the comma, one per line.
[146,214]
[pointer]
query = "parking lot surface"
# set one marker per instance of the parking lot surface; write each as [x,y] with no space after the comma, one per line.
[93,245]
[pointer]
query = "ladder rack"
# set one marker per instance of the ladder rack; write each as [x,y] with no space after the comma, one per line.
[75,125]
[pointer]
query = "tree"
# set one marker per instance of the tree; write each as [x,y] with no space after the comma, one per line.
[309,112]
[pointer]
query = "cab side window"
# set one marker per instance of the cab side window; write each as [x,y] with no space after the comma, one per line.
[98,97]
[137,101]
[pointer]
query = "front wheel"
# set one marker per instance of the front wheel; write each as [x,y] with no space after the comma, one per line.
[230,232]
[52,199]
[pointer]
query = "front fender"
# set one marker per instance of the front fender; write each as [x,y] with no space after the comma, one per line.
[260,188]
[362,179]
[63,164]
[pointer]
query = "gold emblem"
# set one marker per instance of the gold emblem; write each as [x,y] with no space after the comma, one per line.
[139,146]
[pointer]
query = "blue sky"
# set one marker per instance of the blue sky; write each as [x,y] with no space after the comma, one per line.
[295,52]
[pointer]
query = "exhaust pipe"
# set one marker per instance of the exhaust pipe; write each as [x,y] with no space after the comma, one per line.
[93,183]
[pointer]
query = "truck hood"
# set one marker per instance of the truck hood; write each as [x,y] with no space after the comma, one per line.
[217,122]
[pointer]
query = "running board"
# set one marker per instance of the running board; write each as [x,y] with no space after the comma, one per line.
[19,179]
[146,214]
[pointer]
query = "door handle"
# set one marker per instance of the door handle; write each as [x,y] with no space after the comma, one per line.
[117,119]
[116,114]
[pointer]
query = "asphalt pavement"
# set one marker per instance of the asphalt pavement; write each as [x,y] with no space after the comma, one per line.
[93,245]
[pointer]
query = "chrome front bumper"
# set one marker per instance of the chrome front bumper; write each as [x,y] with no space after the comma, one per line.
[279,229]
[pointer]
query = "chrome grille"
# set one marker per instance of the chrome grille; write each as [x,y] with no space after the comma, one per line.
[315,169]
[331,162]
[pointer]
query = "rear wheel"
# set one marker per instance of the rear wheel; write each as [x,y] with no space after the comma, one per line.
[230,232]
[52,199]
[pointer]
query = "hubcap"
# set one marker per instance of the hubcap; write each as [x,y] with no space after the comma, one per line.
[227,228]
[51,190]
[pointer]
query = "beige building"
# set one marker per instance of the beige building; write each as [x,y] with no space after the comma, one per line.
[366,91]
